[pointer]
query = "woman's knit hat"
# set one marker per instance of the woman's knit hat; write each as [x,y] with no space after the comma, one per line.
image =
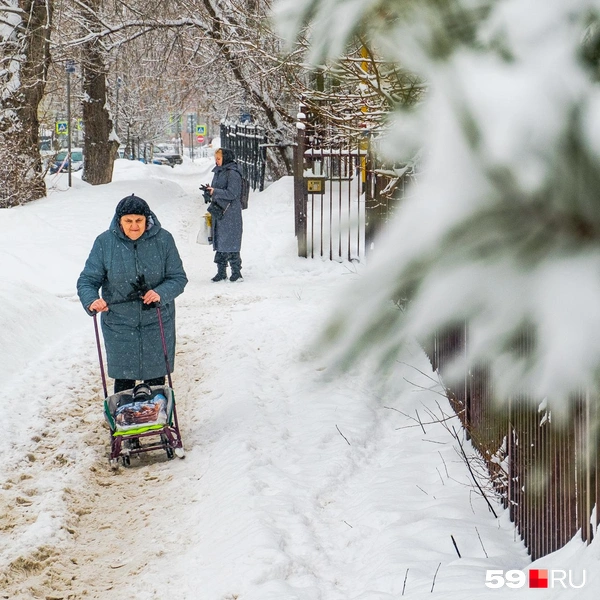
[132,205]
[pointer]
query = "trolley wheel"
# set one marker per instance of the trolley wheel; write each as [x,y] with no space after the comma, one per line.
[134,444]
[113,463]
[180,452]
[126,461]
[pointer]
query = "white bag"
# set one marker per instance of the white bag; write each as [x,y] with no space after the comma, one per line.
[205,233]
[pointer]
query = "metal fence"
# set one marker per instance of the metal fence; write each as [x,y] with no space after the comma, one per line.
[249,143]
[543,466]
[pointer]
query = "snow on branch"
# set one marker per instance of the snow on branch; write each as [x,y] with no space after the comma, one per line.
[503,230]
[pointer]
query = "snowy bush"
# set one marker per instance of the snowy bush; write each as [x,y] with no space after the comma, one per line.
[504,228]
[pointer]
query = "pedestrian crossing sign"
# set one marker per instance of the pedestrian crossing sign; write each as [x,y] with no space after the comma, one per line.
[62,127]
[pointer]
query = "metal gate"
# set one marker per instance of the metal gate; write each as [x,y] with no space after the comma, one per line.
[342,196]
[332,203]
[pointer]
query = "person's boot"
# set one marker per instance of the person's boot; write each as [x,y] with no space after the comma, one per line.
[221,260]
[235,261]
[221,273]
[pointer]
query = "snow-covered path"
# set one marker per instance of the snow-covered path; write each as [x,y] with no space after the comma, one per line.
[295,485]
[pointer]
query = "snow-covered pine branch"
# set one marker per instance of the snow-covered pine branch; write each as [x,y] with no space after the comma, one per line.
[503,230]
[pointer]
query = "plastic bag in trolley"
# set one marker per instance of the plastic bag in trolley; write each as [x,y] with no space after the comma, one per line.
[132,412]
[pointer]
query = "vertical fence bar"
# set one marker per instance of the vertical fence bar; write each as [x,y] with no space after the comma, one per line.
[569,459]
[516,482]
[360,174]
[321,199]
[548,505]
[562,483]
[370,201]
[358,177]
[588,470]
[557,495]
[348,178]
[329,178]
[312,225]
[530,488]
[510,449]
[338,164]
[596,447]
[579,464]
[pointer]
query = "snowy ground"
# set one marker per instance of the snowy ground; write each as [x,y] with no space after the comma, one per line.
[296,485]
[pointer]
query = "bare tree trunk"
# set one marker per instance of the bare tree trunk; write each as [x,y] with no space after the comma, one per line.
[282,157]
[100,144]
[25,56]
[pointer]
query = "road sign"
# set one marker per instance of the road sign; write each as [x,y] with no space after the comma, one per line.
[70,66]
[200,139]
[62,127]
[191,121]
[201,129]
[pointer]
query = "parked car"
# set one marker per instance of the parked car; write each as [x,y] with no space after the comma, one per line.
[160,159]
[61,162]
[166,154]
[174,158]
[164,158]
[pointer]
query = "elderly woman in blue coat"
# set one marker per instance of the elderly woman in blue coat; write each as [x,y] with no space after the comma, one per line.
[226,210]
[137,266]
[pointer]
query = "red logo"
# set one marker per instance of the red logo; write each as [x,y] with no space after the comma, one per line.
[538,578]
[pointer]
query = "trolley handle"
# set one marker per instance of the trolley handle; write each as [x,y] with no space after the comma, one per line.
[100,355]
[162,339]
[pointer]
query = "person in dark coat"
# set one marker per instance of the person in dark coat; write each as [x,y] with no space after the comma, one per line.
[137,266]
[226,210]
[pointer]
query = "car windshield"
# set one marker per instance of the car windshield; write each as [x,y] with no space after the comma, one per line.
[77,156]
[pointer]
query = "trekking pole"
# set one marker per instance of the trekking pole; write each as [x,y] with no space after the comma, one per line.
[164,345]
[100,355]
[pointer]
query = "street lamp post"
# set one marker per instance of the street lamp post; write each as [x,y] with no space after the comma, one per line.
[117,111]
[69,68]
[191,127]
[179,136]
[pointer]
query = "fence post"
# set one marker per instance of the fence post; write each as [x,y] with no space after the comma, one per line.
[300,197]
[262,154]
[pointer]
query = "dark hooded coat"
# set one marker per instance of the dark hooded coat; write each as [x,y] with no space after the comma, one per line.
[227,184]
[131,333]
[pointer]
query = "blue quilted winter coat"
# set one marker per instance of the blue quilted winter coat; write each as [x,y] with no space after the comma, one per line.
[131,335]
[227,184]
